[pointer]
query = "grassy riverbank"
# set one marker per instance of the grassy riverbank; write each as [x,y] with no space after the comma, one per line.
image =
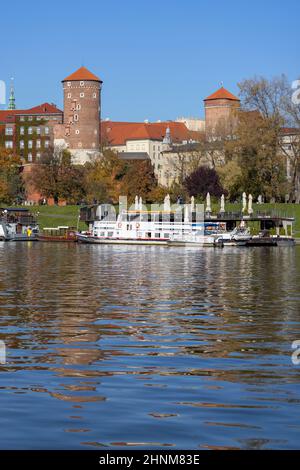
[53,216]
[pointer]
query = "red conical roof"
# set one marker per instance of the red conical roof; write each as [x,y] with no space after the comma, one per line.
[82,74]
[222,94]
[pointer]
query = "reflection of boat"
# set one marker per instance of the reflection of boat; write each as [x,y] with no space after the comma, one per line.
[18,224]
[58,234]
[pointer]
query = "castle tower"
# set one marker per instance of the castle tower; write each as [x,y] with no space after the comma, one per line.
[220,112]
[82,108]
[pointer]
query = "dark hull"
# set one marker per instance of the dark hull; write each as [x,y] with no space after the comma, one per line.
[271,241]
[22,238]
[43,238]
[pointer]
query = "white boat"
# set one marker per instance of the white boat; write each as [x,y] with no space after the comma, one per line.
[142,227]
[238,236]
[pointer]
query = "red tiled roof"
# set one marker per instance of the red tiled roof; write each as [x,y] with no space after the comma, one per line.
[44,108]
[82,74]
[117,133]
[8,115]
[222,94]
[290,130]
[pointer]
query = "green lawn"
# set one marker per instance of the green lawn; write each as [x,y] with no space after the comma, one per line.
[52,216]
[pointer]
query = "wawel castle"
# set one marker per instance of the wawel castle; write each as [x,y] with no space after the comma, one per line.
[79,128]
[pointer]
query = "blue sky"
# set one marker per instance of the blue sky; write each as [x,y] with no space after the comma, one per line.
[157,59]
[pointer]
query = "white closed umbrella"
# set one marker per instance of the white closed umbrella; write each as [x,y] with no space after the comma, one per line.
[208,203]
[250,209]
[222,203]
[244,202]
[141,204]
[167,203]
[136,203]
[192,204]
[186,212]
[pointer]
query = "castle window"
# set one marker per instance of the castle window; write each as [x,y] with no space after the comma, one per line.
[75,117]
[9,131]
[38,156]
[69,83]
[46,130]
[21,144]
[22,118]
[38,144]
[81,95]
[22,130]
[9,144]
[30,157]
[81,83]
[69,95]
[29,130]
[30,144]
[77,131]
[78,107]
[46,144]
[38,131]
[94,95]
[29,118]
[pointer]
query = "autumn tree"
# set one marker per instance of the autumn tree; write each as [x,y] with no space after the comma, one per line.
[103,177]
[273,100]
[107,177]
[11,183]
[255,151]
[139,179]
[56,177]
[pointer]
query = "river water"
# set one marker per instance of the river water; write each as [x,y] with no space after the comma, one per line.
[113,347]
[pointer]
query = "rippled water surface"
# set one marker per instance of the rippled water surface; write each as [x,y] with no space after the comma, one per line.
[149,347]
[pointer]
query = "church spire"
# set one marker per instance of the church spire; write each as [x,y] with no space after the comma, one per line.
[12,100]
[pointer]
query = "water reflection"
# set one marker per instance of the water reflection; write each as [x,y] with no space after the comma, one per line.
[187,348]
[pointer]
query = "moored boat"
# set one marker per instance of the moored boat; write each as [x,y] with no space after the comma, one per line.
[239,236]
[18,224]
[58,234]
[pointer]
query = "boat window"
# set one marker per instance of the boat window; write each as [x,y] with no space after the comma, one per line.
[157,235]
[148,234]
[166,235]
[110,234]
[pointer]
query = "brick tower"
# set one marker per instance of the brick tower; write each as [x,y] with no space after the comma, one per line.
[82,98]
[220,112]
